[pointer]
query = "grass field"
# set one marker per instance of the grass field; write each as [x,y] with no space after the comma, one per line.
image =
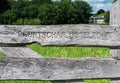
[67,52]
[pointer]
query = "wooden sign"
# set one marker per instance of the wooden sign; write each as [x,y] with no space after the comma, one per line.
[77,35]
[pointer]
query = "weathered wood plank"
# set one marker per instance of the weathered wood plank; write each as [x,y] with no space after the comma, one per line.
[115,81]
[115,14]
[77,35]
[58,69]
[115,53]
[19,52]
[115,21]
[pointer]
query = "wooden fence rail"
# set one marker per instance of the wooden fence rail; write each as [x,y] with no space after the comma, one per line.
[61,35]
[58,69]
[25,64]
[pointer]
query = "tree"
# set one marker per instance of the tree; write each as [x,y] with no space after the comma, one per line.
[60,12]
[100,11]
[30,11]
[8,17]
[107,16]
[46,12]
[65,12]
[20,8]
[41,1]
[83,11]
[4,5]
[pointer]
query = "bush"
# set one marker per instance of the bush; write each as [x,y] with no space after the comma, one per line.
[107,17]
[22,21]
[64,12]
[8,17]
[46,12]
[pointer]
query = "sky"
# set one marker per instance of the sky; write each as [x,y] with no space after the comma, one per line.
[100,4]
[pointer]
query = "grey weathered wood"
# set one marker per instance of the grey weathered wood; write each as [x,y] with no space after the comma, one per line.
[19,52]
[115,14]
[115,53]
[77,35]
[115,81]
[115,21]
[58,69]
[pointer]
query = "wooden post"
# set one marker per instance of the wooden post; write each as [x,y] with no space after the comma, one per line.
[115,53]
[115,14]
[115,21]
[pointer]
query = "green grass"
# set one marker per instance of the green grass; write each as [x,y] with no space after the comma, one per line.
[67,52]
[70,52]
[2,54]
[98,81]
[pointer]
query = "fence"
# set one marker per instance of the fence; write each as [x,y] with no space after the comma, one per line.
[25,64]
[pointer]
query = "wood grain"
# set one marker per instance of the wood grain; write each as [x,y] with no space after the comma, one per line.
[115,21]
[60,35]
[115,14]
[115,53]
[58,69]
[19,52]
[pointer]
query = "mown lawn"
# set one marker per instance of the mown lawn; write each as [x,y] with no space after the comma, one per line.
[67,52]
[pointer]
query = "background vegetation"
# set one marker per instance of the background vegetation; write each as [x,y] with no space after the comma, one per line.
[44,12]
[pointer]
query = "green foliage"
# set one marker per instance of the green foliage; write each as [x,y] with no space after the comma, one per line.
[28,22]
[65,12]
[107,17]
[58,13]
[41,1]
[100,11]
[46,12]
[83,11]
[102,14]
[29,11]
[20,8]
[8,17]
